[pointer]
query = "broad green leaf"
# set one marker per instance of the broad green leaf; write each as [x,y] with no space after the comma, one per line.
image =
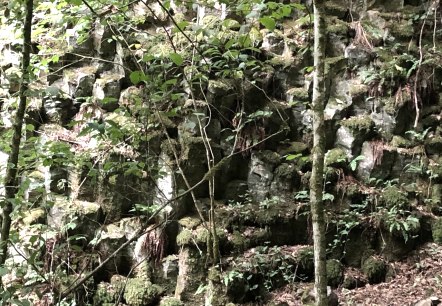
[180,26]
[268,22]
[137,76]
[293,156]
[176,58]
[230,23]
[75,2]
[230,43]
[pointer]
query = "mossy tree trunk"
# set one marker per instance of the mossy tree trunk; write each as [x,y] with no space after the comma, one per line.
[11,180]
[316,180]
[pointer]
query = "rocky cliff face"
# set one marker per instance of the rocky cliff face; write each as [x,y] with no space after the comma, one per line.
[126,117]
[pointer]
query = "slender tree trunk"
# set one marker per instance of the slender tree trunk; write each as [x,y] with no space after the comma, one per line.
[11,181]
[316,180]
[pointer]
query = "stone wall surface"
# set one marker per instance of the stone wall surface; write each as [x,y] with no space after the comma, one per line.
[114,144]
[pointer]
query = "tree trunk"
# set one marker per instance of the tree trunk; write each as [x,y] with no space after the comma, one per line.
[11,181]
[316,180]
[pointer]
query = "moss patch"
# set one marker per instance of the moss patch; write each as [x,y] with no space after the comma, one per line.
[336,157]
[335,273]
[170,301]
[358,123]
[436,228]
[374,269]
[190,222]
[139,292]
[394,197]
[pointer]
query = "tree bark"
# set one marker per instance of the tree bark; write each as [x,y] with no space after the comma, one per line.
[316,180]
[11,181]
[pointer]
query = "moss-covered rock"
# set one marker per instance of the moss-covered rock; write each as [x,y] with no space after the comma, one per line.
[304,259]
[35,216]
[140,292]
[336,157]
[294,147]
[335,272]
[436,228]
[359,123]
[401,142]
[170,301]
[374,269]
[297,94]
[190,222]
[184,237]
[394,197]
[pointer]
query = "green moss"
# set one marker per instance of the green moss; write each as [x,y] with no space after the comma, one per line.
[33,216]
[105,293]
[304,260]
[374,269]
[356,90]
[335,272]
[269,156]
[190,222]
[352,190]
[358,123]
[294,147]
[335,157]
[201,235]
[336,26]
[170,301]
[401,142]
[402,28]
[139,292]
[220,87]
[168,146]
[239,241]
[184,237]
[394,197]
[436,228]
[285,170]
[298,94]
[335,64]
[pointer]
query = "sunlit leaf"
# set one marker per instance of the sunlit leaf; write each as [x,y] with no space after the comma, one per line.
[176,58]
[268,22]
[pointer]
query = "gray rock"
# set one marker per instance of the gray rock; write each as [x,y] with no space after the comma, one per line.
[109,239]
[377,163]
[431,301]
[78,44]
[79,81]
[80,217]
[236,191]
[345,140]
[103,42]
[273,43]
[358,55]
[261,174]
[107,91]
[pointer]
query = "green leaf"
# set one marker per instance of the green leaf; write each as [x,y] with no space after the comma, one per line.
[137,76]
[176,58]
[230,43]
[180,26]
[75,2]
[230,23]
[293,156]
[268,22]
[3,271]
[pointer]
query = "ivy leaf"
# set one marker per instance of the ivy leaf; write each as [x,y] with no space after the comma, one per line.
[176,58]
[268,22]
